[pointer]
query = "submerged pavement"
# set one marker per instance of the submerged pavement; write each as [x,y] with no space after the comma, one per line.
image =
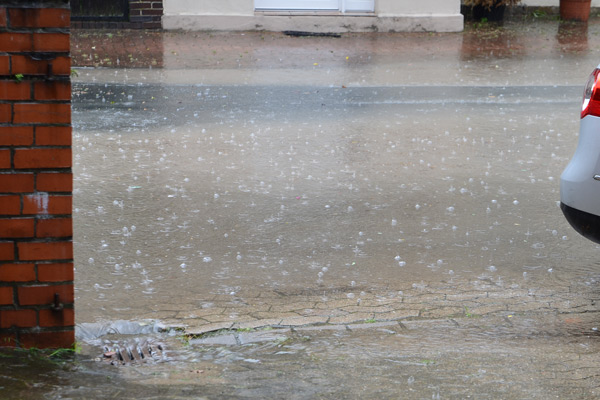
[304,217]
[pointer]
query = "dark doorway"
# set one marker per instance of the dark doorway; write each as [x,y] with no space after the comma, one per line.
[100,10]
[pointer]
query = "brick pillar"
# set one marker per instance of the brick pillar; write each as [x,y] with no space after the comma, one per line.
[36,247]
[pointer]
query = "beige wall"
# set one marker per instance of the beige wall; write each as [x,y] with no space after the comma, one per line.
[208,7]
[390,15]
[399,7]
[246,7]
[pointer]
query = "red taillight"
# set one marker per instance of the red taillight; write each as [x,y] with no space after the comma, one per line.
[591,96]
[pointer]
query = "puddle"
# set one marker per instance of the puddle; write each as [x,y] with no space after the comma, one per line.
[507,357]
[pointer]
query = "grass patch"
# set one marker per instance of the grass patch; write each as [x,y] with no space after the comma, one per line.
[469,314]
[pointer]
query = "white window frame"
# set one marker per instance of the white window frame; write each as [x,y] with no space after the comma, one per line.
[317,5]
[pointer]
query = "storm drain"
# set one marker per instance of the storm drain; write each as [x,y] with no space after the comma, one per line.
[127,354]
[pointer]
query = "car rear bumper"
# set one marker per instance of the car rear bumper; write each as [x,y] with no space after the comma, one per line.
[578,188]
[586,224]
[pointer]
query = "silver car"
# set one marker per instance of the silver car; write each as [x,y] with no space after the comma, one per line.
[580,181]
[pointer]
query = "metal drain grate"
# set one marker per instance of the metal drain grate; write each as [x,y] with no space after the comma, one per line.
[133,353]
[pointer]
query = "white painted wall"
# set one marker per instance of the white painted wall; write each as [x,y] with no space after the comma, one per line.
[246,7]
[208,7]
[389,16]
[398,7]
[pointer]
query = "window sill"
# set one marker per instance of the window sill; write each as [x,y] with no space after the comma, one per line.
[308,13]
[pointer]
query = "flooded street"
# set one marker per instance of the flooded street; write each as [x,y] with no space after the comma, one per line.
[362,217]
[230,200]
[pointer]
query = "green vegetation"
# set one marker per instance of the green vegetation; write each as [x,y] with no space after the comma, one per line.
[468,314]
[61,354]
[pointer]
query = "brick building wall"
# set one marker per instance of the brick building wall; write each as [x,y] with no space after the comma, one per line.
[143,14]
[148,13]
[36,248]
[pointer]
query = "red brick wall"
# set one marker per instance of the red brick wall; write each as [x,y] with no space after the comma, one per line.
[143,14]
[147,12]
[36,182]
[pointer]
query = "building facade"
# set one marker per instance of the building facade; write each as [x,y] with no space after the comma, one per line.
[319,16]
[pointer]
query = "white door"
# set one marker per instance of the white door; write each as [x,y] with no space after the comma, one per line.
[338,5]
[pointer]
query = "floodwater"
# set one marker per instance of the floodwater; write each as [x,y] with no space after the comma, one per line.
[186,193]
[307,228]
[489,358]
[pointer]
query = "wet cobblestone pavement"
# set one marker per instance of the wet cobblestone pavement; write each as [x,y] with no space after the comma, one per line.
[478,289]
[479,298]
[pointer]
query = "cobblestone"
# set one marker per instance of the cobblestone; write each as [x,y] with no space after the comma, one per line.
[204,328]
[259,323]
[300,321]
[443,312]
[396,315]
[351,318]
[257,310]
[292,306]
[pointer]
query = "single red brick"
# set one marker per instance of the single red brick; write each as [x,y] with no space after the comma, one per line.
[42,251]
[53,90]
[13,42]
[50,42]
[53,135]
[16,183]
[16,227]
[140,4]
[54,227]
[44,295]
[42,158]
[7,251]
[5,113]
[4,65]
[27,66]
[47,340]
[54,182]
[62,272]
[18,318]
[17,272]
[147,12]
[8,340]
[2,17]
[4,160]
[45,113]
[64,317]
[42,203]
[39,17]
[61,66]
[11,90]
[152,25]
[10,205]
[6,295]
[16,136]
